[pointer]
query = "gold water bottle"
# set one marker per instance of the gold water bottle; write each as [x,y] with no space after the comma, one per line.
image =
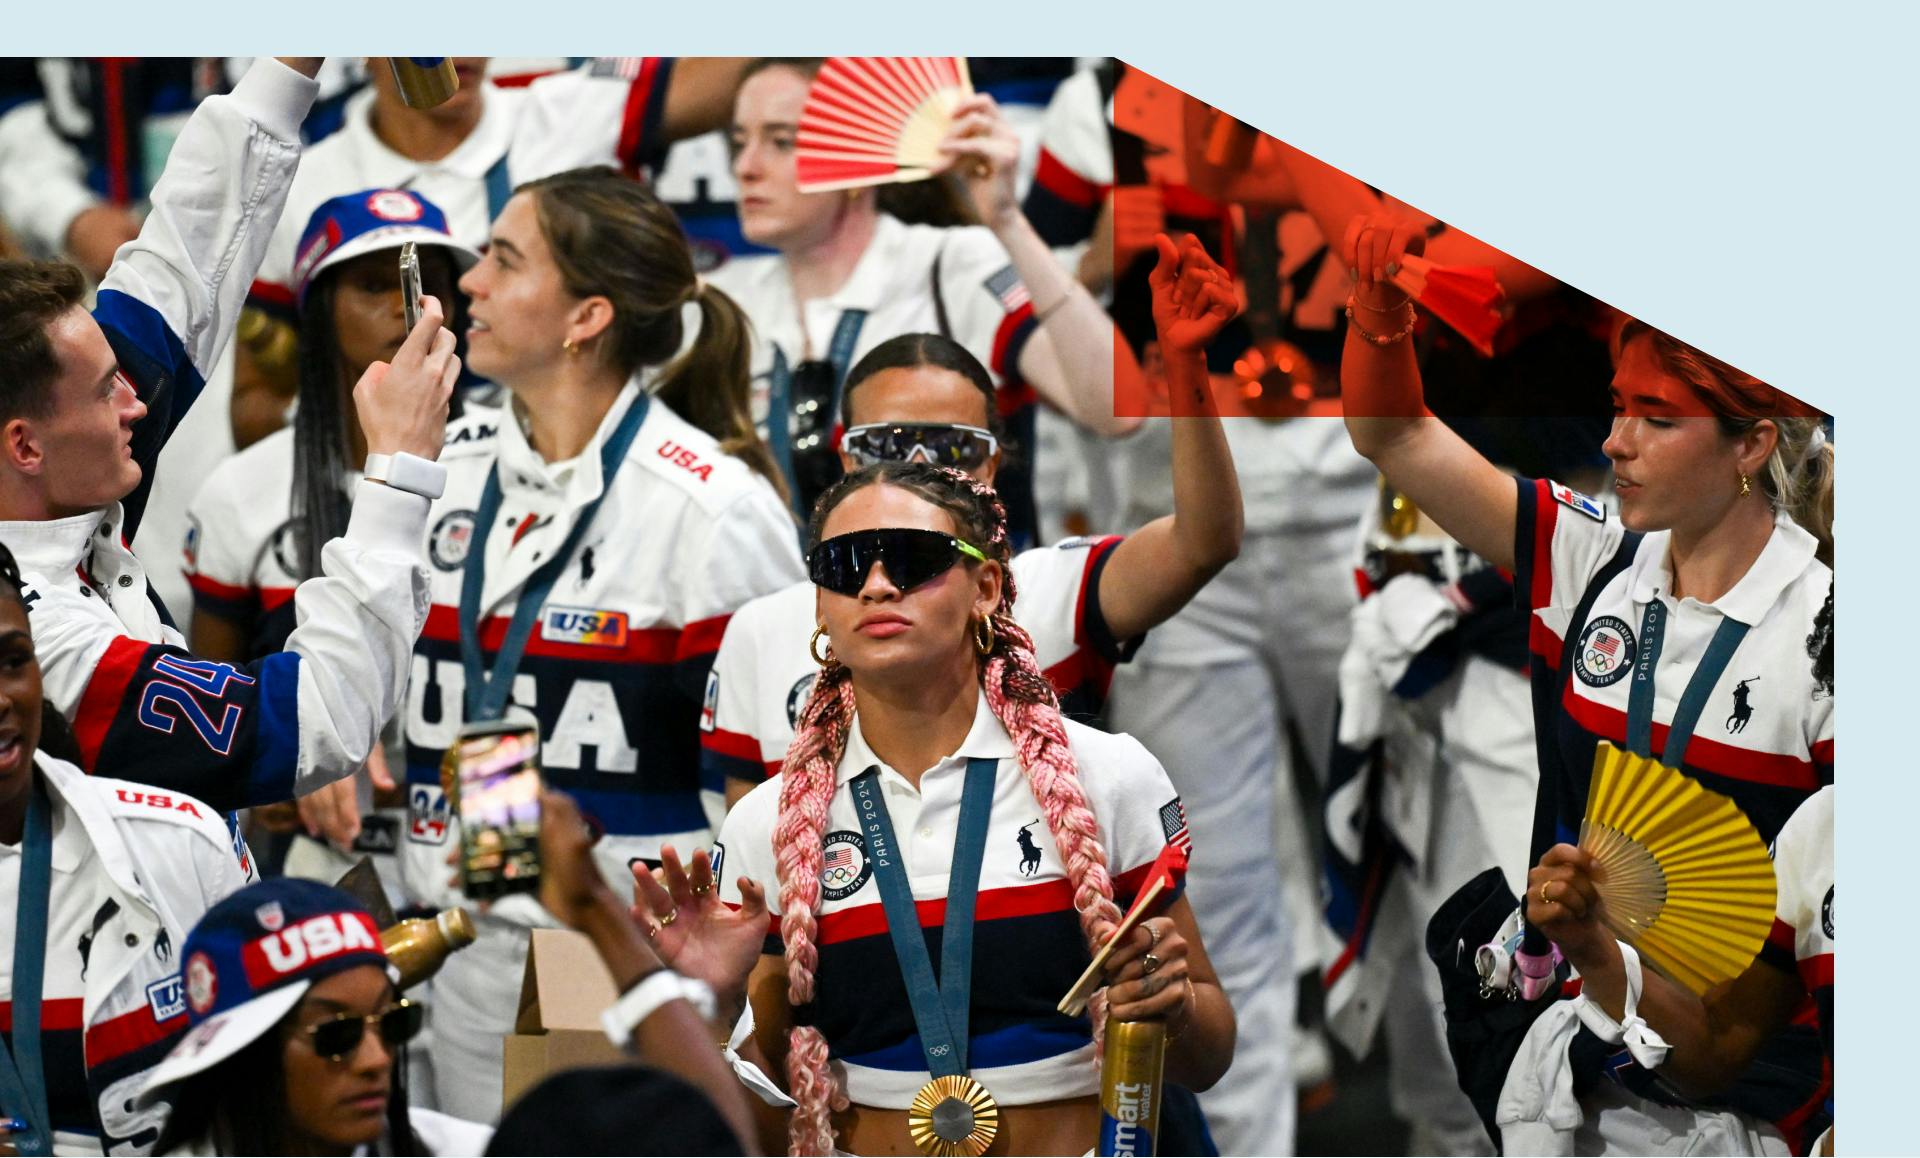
[424,81]
[1130,1072]
[419,947]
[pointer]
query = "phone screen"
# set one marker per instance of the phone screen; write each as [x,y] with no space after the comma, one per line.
[410,283]
[499,799]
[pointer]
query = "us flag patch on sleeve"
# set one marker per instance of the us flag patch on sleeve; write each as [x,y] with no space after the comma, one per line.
[1173,822]
[1567,496]
[1008,288]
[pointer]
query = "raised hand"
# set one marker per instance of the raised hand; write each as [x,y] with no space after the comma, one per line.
[403,406]
[694,932]
[1372,248]
[1193,297]
[983,152]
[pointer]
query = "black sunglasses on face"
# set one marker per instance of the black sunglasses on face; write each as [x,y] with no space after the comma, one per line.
[338,1037]
[910,558]
[940,443]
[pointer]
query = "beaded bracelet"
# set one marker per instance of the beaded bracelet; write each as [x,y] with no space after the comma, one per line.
[1383,340]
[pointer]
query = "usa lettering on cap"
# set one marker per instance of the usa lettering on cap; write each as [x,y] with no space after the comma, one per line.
[316,939]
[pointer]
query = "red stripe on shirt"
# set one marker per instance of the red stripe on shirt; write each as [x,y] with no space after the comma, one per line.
[214,589]
[1543,642]
[1095,553]
[1772,768]
[1546,516]
[633,123]
[272,598]
[870,920]
[119,1036]
[701,637]
[644,645]
[1817,972]
[1781,936]
[737,745]
[271,293]
[1003,341]
[106,688]
[1823,752]
[1053,175]
[55,1013]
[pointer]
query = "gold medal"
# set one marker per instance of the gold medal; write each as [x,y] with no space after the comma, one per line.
[953,1116]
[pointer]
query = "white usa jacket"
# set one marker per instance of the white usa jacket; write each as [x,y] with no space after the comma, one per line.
[157,862]
[141,705]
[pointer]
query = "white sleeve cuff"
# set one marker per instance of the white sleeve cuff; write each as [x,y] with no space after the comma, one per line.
[388,519]
[275,97]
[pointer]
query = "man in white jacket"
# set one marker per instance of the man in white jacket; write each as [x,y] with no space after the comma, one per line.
[86,403]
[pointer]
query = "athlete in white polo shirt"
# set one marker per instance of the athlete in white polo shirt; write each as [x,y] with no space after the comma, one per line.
[1086,602]
[934,779]
[1676,630]
[847,277]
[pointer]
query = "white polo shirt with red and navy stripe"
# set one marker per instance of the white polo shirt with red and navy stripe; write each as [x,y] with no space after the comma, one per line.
[1027,946]
[1801,941]
[1765,737]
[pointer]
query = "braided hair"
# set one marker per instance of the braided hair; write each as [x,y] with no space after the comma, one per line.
[1017,692]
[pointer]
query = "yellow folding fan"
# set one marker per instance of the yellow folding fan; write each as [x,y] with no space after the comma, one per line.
[1681,872]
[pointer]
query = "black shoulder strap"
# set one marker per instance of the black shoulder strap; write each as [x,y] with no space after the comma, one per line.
[940,298]
[1546,801]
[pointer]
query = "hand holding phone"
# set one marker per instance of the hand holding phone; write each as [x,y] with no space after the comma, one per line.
[498,789]
[410,291]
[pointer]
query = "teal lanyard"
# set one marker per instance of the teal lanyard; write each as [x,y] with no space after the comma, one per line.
[941,1008]
[487,697]
[1686,715]
[23,1079]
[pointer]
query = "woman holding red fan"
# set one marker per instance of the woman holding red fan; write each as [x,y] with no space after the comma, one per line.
[934,783]
[849,275]
[1675,629]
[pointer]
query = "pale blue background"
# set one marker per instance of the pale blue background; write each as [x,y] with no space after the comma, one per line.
[1741,175]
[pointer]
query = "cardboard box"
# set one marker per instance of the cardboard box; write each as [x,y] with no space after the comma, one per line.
[565,990]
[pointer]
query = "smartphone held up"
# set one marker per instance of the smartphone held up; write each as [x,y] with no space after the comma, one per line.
[410,291]
[497,793]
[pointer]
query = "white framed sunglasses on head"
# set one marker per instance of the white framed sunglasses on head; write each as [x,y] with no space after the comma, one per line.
[949,444]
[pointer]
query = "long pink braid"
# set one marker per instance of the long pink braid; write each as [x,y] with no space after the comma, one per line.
[811,774]
[1023,700]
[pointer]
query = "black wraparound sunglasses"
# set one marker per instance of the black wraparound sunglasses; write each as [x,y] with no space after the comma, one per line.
[339,1036]
[909,557]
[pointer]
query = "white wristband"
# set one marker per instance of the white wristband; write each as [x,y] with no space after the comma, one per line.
[407,472]
[647,996]
[1642,1041]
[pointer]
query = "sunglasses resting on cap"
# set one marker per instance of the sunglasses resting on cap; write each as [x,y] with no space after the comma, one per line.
[939,443]
[909,557]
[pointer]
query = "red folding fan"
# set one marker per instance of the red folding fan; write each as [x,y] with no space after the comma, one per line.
[873,120]
[1467,298]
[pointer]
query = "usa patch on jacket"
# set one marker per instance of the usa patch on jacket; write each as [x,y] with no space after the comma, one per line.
[584,626]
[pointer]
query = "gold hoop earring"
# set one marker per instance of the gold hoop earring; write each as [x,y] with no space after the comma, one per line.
[813,648]
[983,636]
[1746,485]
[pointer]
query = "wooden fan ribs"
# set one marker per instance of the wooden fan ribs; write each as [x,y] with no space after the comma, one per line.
[1680,871]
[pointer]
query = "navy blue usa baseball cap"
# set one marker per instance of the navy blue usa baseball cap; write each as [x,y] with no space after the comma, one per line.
[347,226]
[252,957]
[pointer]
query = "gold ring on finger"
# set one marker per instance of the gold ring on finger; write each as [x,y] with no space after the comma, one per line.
[1153,932]
[672,916]
[1544,898]
[700,890]
[1148,965]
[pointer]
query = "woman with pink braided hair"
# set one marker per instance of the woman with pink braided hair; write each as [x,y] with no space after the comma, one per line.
[931,743]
